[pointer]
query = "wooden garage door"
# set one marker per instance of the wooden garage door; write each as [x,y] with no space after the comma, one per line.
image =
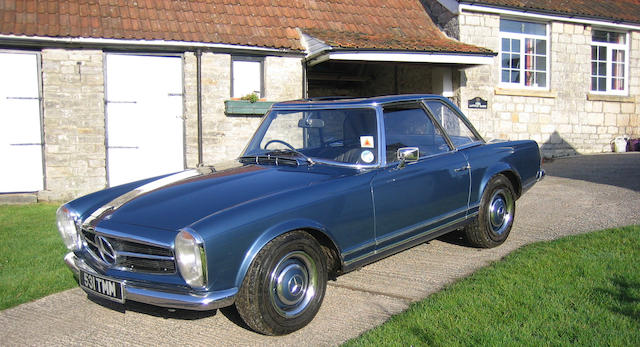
[20,126]
[144,116]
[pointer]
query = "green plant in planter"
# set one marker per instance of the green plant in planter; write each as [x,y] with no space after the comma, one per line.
[252,98]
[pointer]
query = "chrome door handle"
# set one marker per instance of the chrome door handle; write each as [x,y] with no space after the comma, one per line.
[466,167]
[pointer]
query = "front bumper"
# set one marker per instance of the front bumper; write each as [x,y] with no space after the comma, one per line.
[163,298]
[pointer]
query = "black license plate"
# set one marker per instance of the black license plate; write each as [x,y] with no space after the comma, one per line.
[102,286]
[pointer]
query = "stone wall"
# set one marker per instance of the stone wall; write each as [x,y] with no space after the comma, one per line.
[74,129]
[565,120]
[74,115]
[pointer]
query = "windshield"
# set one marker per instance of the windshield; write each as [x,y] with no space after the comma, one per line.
[347,136]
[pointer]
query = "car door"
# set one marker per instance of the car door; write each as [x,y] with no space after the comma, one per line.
[422,196]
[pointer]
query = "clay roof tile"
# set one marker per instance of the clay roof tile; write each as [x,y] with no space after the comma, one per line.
[388,24]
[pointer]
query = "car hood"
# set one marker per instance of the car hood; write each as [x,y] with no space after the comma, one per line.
[181,199]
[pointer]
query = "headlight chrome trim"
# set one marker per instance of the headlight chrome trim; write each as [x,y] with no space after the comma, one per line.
[67,218]
[199,252]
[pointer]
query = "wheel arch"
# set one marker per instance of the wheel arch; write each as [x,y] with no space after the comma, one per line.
[313,228]
[506,170]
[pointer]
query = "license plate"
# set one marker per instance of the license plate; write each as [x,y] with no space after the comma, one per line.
[101,286]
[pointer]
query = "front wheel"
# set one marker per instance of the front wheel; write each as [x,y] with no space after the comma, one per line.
[495,217]
[284,286]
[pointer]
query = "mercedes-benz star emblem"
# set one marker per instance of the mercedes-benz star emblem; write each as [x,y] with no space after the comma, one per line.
[105,250]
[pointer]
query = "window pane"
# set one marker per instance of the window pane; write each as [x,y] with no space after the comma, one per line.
[602,84]
[510,26]
[594,83]
[515,45]
[528,46]
[541,64]
[515,61]
[247,78]
[458,132]
[541,79]
[410,126]
[515,76]
[594,52]
[599,36]
[519,27]
[541,47]
[505,76]
[602,53]
[505,60]
[506,47]
[608,36]
[617,55]
[618,83]
[602,69]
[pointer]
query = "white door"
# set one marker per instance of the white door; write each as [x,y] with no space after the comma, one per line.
[20,129]
[144,116]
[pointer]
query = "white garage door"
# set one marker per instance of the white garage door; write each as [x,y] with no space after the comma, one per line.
[20,129]
[144,116]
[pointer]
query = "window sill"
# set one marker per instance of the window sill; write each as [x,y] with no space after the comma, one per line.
[614,98]
[526,92]
[246,108]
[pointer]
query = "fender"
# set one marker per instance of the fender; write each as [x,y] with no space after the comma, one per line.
[498,168]
[272,233]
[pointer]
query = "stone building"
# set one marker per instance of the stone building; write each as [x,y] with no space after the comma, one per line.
[567,73]
[98,93]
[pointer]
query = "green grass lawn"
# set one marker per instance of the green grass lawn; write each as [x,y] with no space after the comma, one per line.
[31,252]
[581,290]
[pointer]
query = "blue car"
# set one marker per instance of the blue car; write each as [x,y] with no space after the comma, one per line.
[323,187]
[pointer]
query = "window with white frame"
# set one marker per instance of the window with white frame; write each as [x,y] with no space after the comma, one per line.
[524,54]
[246,75]
[609,55]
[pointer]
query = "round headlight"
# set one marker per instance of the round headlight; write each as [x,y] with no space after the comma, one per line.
[67,226]
[191,258]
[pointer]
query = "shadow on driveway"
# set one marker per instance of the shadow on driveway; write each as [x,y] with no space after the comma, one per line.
[615,169]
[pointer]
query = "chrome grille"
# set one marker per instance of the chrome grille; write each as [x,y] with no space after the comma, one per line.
[131,256]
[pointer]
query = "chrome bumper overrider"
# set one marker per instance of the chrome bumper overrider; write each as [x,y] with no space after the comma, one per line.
[540,175]
[187,301]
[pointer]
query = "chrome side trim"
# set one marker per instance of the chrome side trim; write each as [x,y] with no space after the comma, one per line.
[182,300]
[422,225]
[411,239]
[404,231]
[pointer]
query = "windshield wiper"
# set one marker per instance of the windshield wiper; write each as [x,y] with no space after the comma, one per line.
[292,151]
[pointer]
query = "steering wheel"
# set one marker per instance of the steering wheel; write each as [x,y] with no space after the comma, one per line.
[281,142]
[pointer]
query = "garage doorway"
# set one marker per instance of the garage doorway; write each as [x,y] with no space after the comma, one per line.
[144,115]
[20,123]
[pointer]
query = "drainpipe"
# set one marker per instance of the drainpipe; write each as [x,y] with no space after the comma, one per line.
[199,102]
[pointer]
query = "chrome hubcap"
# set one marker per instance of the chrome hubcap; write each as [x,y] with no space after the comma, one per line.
[293,282]
[500,211]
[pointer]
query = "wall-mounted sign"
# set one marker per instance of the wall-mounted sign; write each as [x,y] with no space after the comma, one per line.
[478,102]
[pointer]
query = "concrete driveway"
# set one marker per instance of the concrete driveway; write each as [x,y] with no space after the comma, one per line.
[580,194]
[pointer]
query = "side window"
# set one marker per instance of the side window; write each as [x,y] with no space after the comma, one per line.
[410,126]
[246,75]
[458,132]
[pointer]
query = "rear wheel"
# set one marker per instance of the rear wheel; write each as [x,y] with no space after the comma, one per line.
[284,286]
[495,217]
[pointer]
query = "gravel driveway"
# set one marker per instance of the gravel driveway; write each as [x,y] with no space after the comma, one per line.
[579,194]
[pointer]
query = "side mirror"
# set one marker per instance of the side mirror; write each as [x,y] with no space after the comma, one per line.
[408,154]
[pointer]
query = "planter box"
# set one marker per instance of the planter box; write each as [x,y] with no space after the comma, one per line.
[245,107]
